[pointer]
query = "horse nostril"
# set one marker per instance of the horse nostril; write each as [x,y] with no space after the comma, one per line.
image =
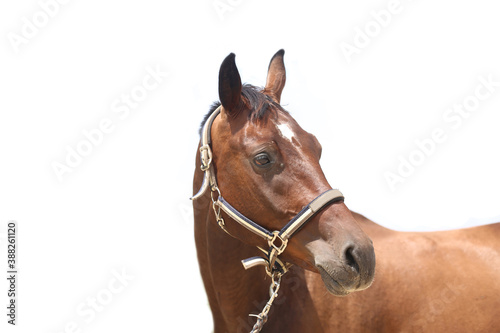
[350,259]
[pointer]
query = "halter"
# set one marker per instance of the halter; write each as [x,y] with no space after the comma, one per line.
[277,240]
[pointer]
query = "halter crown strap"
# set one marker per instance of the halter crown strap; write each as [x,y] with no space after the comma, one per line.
[206,157]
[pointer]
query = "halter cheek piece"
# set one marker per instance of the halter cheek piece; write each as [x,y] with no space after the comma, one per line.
[277,240]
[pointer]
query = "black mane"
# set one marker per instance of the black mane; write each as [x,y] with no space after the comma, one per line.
[259,104]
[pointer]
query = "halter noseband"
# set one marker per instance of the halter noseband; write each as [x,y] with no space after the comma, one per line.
[277,240]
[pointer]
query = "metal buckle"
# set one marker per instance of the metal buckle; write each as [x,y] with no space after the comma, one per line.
[281,248]
[205,165]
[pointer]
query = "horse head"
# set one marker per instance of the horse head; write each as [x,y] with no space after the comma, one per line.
[268,168]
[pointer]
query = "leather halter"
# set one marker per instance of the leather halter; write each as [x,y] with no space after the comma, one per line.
[277,240]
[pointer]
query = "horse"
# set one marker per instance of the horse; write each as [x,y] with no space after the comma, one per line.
[257,170]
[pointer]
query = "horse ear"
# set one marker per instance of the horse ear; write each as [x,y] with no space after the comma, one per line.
[276,76]
[229,84]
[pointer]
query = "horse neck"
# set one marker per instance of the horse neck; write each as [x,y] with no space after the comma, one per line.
[371,228]
[231,290]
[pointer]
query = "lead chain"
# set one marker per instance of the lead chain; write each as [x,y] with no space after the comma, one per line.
[273,293]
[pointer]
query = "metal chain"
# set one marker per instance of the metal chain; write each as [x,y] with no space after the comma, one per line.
[216,207]
[273,293]
[275,275]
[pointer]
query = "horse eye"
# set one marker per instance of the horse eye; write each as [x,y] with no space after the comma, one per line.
[262,160]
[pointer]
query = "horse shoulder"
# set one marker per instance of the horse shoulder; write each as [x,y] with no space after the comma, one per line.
[432,281]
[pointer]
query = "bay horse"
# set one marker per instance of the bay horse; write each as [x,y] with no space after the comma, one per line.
[258,170]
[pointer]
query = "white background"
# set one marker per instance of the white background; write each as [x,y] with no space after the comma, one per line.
[126,207]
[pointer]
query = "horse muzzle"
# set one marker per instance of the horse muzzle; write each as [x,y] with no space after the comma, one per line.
[353,269]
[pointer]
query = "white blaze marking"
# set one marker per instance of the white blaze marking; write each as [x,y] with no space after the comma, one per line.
[286,132]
